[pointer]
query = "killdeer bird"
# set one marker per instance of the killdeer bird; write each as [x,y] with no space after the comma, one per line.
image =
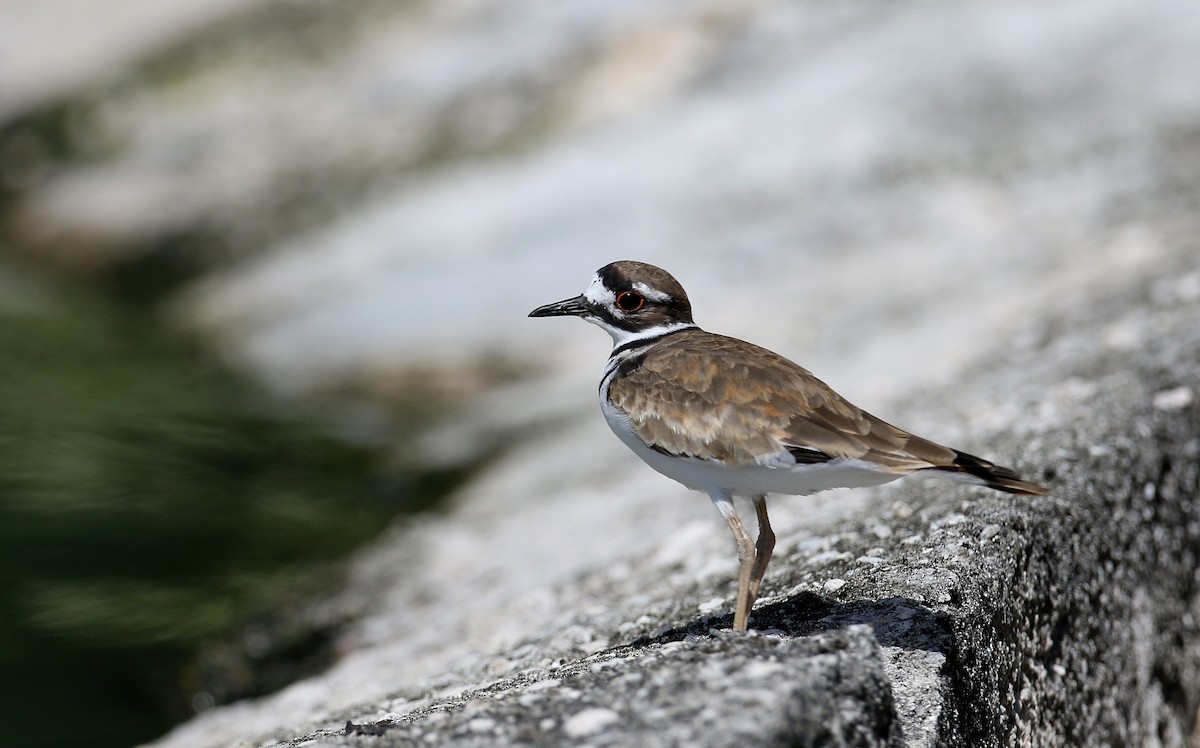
[729,418]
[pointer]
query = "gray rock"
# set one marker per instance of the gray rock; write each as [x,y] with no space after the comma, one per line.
[719,689]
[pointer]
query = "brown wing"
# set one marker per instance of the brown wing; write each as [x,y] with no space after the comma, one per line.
[719,398]
[714,397]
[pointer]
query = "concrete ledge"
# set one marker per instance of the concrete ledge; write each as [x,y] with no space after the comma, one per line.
[721,689]
[946,615]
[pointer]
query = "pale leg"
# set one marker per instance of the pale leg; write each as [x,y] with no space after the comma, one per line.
[746,559]
[764,547]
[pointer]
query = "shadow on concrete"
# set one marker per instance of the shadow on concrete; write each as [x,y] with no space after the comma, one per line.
[896,621]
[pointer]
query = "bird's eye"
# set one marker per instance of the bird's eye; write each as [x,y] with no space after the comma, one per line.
[630,301]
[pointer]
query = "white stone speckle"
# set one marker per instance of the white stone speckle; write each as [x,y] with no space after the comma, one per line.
[481,724]
[709,606]
[763,670]
[594,646]
[828,556]
[833,585]
[589,722]
[901,509]
[954,518]
[1176,398]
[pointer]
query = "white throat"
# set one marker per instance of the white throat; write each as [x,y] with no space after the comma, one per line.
[623,337]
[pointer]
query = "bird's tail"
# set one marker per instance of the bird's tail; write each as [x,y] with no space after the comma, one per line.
[978,470]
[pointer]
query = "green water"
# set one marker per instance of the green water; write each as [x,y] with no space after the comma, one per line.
[149,505]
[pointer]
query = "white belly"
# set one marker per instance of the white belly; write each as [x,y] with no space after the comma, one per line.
[747,480]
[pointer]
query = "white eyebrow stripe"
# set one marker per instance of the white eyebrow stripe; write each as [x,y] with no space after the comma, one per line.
[651,293]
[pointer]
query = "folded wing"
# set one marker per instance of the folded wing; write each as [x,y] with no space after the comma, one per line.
[712,397]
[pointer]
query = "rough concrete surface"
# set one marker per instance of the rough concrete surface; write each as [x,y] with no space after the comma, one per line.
[824,690]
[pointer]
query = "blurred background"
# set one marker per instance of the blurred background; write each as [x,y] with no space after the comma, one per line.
[265,266]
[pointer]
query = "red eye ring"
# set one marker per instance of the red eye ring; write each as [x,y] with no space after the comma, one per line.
[630,301]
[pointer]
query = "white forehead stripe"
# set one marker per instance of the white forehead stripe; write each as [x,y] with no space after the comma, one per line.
[651,293]
[598,294]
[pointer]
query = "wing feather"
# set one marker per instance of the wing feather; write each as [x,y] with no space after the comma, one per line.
[712,397]
[717,398]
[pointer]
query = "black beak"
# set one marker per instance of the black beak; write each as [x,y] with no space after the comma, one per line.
[566,308]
